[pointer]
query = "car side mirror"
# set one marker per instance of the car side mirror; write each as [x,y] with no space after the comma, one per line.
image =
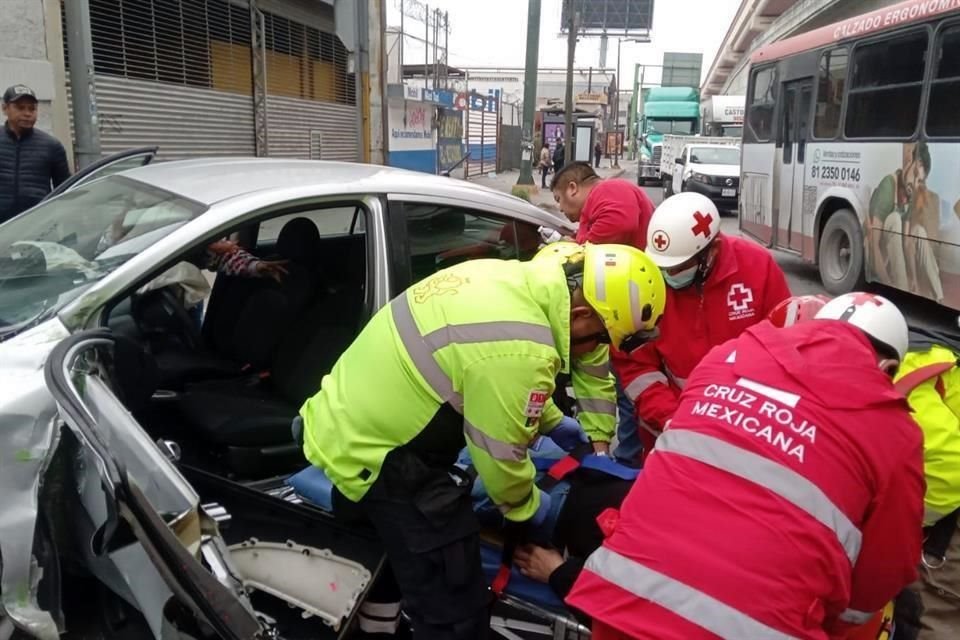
[680,160]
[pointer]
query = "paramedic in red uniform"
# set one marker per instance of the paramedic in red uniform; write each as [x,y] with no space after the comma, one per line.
[784,500]
[717,286]
[609,211]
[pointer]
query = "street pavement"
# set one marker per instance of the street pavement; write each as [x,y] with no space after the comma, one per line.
[802,277]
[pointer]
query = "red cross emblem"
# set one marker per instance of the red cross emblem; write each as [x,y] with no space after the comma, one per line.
[702,224]
[863,298]
[661,240]
[739,297]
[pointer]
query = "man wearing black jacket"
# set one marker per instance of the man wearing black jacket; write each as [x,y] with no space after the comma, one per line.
[32,162]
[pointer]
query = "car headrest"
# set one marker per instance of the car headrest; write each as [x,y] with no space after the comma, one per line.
[299,241]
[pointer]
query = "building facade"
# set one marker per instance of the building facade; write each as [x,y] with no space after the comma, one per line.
[212,77]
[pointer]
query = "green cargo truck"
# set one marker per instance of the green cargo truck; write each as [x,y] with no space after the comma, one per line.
[665,110]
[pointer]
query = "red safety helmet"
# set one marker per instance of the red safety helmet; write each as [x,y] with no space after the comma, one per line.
[796,309]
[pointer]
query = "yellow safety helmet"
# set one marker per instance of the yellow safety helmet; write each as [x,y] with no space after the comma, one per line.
[626,289]
[621,283]
[562,251]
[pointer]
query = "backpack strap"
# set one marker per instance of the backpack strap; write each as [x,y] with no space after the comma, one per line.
[915,378]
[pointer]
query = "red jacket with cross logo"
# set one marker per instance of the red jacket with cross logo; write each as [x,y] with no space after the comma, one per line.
[743,286]
[785,499]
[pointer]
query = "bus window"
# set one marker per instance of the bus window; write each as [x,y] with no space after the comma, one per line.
[763,98]
[885,87]
[944,104]
[833,77]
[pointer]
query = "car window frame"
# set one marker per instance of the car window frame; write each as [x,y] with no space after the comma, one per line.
[400,241]
[99,168]
[378,277]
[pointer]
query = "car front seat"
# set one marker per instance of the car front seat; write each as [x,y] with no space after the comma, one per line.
[247,317]
[249,420]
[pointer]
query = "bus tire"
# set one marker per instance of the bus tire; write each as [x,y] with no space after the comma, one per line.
[841,253]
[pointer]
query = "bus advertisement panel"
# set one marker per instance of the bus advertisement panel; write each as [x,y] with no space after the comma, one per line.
[908,196]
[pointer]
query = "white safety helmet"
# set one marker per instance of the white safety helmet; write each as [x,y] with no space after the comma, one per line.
[874,315]
[681,227]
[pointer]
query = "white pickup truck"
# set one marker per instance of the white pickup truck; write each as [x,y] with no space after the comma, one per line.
[707,165]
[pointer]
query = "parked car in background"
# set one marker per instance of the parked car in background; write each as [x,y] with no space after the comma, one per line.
[704,166]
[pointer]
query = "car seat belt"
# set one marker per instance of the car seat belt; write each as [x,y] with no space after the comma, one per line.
[557,473]
[915,378]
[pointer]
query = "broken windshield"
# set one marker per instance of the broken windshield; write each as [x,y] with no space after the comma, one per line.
[52,252]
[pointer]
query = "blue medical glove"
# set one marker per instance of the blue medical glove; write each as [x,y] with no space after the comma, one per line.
[542,511]
[568,434]
[314,485]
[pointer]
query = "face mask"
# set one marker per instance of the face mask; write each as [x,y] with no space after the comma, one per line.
[682,279]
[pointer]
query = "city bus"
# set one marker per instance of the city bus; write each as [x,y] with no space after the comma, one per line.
[851,149]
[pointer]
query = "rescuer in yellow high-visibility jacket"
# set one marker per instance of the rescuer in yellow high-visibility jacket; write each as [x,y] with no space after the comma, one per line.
[471,354]
[930,378]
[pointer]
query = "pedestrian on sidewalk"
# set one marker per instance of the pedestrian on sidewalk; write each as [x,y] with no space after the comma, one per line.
[32,163]
[559,156]
[545,163]
[597,153]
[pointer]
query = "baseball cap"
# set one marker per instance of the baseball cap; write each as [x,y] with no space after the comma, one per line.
[17,91]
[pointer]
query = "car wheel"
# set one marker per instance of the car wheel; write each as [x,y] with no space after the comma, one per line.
[842,253]
[667,187]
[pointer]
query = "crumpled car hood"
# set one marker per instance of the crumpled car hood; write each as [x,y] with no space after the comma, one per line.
[28,433]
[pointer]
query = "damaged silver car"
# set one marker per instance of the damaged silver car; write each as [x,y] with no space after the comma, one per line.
[146,392]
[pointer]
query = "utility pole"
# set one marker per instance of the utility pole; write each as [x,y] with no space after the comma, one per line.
[84,96]
[616,115]
[530,92]
[634,132]
[446,48]
[426,47]
[568,100]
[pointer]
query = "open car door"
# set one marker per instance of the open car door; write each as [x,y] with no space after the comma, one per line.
[275,570]
[129,159]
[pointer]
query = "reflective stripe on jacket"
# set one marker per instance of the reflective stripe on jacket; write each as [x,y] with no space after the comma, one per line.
[783,501]
[487,337]
[935,403]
